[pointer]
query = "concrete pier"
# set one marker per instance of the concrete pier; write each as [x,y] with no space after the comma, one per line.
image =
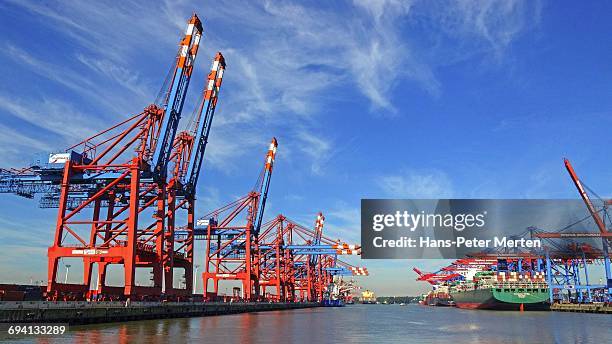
[99,312]
[582,308]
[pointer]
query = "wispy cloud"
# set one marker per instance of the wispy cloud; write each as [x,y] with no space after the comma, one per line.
[128,79]
[315,147]
[106,96]
[106,28]
[490,25]
[298,52]
[30,231]
[40,125]
[27,241]
[211,199]
[51,115]
[417,184]
[13,145]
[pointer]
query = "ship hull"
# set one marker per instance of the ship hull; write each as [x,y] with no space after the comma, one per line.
[438,302]
[332,303]
[496,299]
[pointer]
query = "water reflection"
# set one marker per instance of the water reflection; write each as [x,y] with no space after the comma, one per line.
[356,324]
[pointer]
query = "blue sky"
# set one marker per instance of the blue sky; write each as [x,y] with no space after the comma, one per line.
[380,99]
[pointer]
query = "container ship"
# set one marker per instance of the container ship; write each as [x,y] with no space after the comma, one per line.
[333,297]
[339,293]
[368,297]
[439,297]
[501,291]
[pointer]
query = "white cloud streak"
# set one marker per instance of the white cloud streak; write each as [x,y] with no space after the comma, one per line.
[491,25]
[417,184]
[318,149]
[51,115]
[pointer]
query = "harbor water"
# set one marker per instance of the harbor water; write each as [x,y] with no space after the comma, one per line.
[355,324]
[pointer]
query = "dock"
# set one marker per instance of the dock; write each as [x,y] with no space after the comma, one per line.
[582,307]
[102,312]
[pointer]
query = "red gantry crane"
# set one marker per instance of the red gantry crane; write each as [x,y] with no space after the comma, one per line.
[127,188]
[231,244]
[111,189]
[287,250]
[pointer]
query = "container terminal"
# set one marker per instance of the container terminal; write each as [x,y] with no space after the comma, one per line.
[127,196]
[554,277]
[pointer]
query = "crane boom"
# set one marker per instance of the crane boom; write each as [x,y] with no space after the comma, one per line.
[207,106]
[265,183]
[318,233]
[178,89]
[585,197]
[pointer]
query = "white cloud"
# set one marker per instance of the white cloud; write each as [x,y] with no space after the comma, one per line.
[128,79]
[494,23]
[52,115]
[227,146]
[13,145]
[380,8]
[110,98]
[417,184]
[315,147]
[319,49]
[109,29]
[210,200]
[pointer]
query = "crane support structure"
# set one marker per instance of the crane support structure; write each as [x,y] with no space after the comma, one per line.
[187,157]
[599,221]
